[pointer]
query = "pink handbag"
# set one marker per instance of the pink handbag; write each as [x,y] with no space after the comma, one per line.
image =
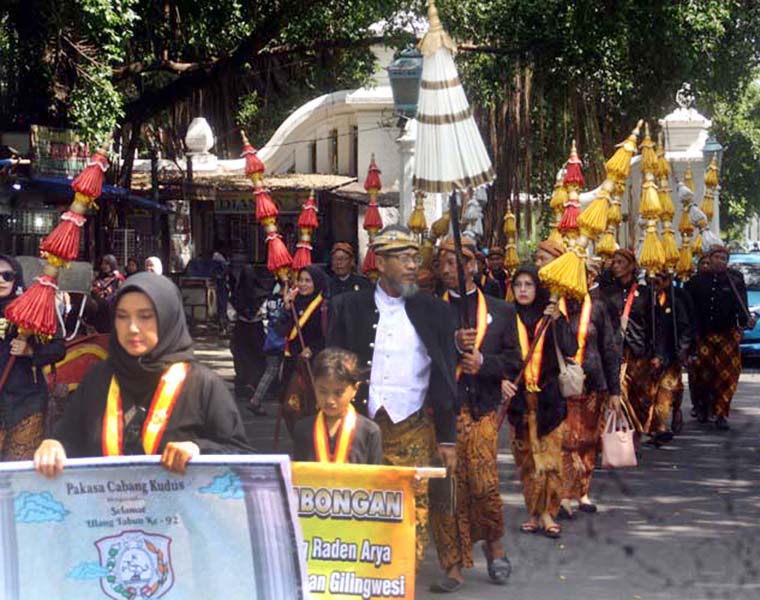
[617,443]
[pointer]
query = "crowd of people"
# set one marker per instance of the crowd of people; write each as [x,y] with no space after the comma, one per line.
[396,373]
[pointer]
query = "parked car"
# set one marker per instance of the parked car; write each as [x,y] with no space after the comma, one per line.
[749,266]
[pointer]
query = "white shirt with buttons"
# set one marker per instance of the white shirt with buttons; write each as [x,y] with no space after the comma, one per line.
[400,375]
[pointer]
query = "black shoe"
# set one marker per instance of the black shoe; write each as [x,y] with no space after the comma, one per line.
[588,507]
[663,437]
[703,415]
[564,514]
[499,569]
[721,424]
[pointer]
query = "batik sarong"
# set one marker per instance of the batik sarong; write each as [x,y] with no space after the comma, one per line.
[717,369]
[580,444]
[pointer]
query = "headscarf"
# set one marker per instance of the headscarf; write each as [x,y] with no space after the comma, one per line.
[112,262]
[138,376]
[321,284]
[249,293]
[18,283]
[532,313]
[158,267]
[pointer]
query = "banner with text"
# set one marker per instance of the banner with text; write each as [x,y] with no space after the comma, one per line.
[358,528]
[126,529]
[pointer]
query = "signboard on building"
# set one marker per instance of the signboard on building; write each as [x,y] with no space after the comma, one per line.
[57,152]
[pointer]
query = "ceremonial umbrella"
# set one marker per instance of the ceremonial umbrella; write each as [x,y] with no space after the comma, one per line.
[449,151]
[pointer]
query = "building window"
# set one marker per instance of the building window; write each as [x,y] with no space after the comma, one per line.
[354,162]
[334,151]
[313,157]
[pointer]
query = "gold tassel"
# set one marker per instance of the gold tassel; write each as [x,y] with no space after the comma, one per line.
[510,224]
[652,253]
[685,225]
[511,258]
[685,266]
[648,153]
[559,197]
[440,227]
[417,222]
[696,245]
[649,206]
[711,176]
[667,208]
[615,214]
[619,165]
[606,245]
[670,246]
[593,220]
[566,275]
[707,204]
[688,178]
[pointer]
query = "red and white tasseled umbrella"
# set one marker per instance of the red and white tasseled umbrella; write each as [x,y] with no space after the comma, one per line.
[307,223]
[449,151]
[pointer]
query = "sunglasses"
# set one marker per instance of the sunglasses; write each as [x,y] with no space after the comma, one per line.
[8,275]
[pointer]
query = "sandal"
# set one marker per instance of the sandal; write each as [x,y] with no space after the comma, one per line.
[499,569]
[587,507]
[553,531]
[447,585]
[529,527]
[565,514]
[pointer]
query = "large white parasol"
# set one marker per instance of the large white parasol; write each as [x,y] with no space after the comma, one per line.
[449,152]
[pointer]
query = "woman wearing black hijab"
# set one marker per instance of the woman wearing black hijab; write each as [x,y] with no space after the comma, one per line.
[23,398]
[307,300]
[247,341]
[151,375]
[537,410]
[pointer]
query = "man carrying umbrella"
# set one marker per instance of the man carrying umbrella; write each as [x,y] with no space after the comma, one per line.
[406,339]
[488,351]
[720,301]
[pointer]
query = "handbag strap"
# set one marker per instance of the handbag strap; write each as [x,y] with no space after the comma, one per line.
[560,358]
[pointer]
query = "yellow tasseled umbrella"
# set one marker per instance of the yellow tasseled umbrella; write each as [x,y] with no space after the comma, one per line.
[668,210]
[652,256]
[711,183]
[511,258]
[417,222]
[557,206]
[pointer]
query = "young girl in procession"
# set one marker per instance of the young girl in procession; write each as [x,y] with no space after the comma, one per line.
[537,410]
[150,376]
[599,355]
[337,433]
[23,397]
[308,300]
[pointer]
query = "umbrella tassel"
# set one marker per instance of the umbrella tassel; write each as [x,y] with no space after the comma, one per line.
[566,275]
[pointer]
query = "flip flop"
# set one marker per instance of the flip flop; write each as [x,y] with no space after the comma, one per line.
[447,585]
[529,527]
[553,531]
[565,514]
[588,507]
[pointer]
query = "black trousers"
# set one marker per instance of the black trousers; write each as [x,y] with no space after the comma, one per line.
[247,345]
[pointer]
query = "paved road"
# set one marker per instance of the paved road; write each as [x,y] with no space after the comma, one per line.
[684,525]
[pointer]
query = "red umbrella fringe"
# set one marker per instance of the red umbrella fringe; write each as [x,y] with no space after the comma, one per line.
[308,217]
[253,164]
[574,174]
[63,242]
[302,257]
[370,264]
[34,310]
[90,181]
[265,206]
[569,221]
[278,257]
[372,219]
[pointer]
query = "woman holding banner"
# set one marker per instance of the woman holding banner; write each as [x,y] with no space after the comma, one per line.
[150,396]
[538,410]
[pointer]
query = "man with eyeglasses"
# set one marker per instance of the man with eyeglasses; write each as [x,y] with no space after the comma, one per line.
[406,340]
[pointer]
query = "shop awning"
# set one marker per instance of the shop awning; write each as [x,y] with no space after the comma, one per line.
[62,187]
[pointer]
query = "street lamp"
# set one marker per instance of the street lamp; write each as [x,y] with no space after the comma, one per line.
[405,74]
[712,148]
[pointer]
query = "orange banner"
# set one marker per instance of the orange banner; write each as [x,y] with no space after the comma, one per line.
[358,529]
